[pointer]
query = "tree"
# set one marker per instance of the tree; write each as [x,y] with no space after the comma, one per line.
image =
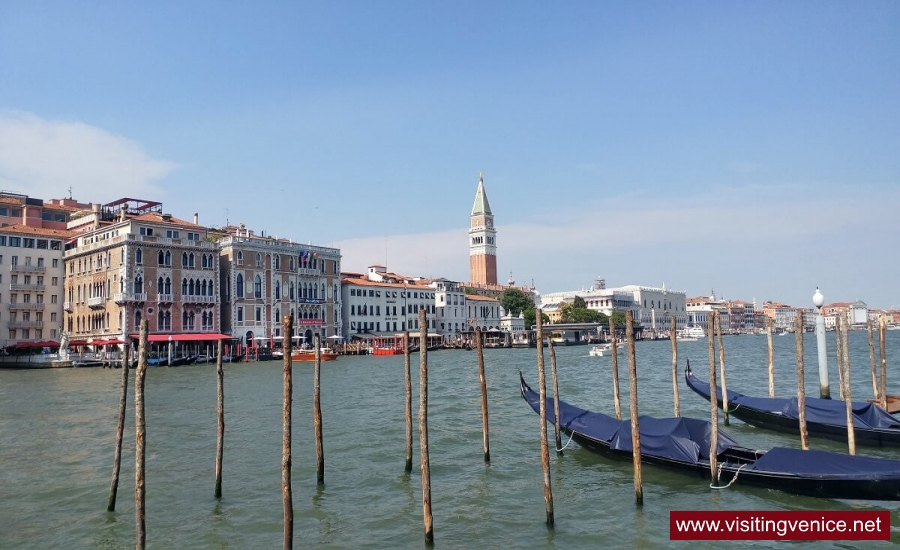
[619,319]
[514,301]
[530,315]
[579,302]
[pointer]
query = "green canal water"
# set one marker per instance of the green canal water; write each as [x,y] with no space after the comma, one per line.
[57,431]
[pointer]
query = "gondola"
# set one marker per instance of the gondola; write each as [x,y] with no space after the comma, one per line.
[683,444]
[825,418]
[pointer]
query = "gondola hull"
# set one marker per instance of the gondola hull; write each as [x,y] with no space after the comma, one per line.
[810,473]
[768,414]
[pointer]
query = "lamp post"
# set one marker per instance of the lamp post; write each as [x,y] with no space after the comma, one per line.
[819,301]
[170,351]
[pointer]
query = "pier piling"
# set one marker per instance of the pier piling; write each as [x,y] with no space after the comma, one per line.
[635,424]
[220,415]
[771,357]
[140,426]
[839,347]
[713,401]
[615,368]
[484,400]
[851,434]
[722,367]
[408,380]
[423,428]
[673,329]
[881,328]
[287,499]
[877,397]
[801,387]
[545,450]
[120,430]
[317,414]
[556,429]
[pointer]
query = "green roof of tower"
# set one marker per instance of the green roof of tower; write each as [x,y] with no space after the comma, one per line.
[481,206]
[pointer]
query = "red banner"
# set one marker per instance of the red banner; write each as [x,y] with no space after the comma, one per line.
[780,525]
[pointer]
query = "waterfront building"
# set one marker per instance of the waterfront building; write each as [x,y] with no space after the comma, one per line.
[33,233]
[128,262]
[381,303]
[482,240]
[264,279]
[699,309]
[31,283]
[782,315]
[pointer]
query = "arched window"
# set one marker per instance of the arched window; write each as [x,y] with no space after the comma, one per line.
[137,319]
[184,287]
[159,286]
[139,256]
[277,261]
[277,290]
[191,259]
[258,259]
[184,259]
[292,288]
[161,258]
[292,263]
[239,286]
[138,284]
[191,290]
[168,258]
[257,287]
[168,286]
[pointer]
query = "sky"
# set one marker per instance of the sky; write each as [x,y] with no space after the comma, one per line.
[751,149]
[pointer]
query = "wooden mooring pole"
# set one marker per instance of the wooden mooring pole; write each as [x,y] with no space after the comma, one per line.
[851,434]
[408,380]
[287,499]
[881,328]
[673,329]
[140,427]
[722,367]
[839,351]
[484,400]
[869,330]
[545,447]
[220,415]
[771,357]
[615,368]
[635,424]
[801,387]
[120,430]
[556,429]
[423,428]
[317,413]
[713,401]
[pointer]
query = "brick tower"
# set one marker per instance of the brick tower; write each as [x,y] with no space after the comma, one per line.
[482,240]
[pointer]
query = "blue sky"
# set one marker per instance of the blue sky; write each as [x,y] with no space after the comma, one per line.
[750,148]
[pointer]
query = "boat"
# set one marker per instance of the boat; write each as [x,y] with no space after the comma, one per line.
[602,350]
[683,444]
[690,333]
[825,418]
[326,354]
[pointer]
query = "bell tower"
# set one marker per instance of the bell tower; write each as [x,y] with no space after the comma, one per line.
[482,240]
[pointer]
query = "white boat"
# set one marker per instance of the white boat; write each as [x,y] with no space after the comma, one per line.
[691,333]
[602,350]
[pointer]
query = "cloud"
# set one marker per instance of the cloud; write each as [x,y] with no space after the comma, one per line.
[43,158]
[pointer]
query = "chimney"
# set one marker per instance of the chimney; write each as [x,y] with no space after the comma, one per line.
[122,212]
[196,218]
[167,217]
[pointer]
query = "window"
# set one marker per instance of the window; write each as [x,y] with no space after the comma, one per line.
[172,234]
[239,286]
[240,314]
[42,244]
[258,314]
[147,231]
[138,257]
[257,287]
[240,258]
[15,241]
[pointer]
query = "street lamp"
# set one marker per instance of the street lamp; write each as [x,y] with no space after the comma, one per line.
[818,301]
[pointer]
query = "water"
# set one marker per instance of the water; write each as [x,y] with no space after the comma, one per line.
[57,431]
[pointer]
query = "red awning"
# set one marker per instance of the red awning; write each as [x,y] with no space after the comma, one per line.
[185,337]
[77,342]
[106,342]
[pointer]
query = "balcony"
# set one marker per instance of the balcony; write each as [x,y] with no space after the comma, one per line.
[123,297]
[97,302]
[193,299]
[17,286]
[69,306]
[27,268]
[30,306]
[164,298]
